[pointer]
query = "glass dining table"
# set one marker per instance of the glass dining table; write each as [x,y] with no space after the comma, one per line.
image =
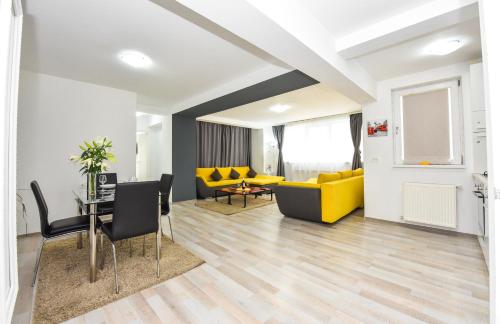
[87,205]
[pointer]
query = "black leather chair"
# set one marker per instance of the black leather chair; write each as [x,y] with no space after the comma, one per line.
[57,228]
[135,214]
[166,181]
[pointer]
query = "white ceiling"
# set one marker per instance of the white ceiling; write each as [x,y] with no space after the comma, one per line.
[306,103]
[343,17]
[80,40]
[408,57]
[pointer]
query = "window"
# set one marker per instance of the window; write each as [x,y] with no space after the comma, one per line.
[320,145]
[427,124]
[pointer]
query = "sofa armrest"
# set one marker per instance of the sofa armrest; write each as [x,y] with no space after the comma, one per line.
[265,176]
[339,198]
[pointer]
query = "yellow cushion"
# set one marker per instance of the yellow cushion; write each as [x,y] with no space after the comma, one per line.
[223,183]
[243,171]
[358,172]
[312,180]
[327,177]
[346,174]
[204,172]
[299,184]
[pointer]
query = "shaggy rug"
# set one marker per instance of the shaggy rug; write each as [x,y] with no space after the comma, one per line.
[236,206]
[63,290]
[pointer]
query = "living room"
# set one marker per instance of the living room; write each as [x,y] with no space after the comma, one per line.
[249,162]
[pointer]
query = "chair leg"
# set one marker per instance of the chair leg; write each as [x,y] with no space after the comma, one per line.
[157,257]
[114,266]
[171,232]
[101,238]
[144,245]
[130,246]
[37,264]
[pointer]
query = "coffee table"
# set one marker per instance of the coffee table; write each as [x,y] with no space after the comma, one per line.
[229,191]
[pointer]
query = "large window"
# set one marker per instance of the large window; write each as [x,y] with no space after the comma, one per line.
[320,145]
[427,124]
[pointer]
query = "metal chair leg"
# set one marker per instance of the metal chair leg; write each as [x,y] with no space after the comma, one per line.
[144,245]
[157,257]
[130,246]
[37,264]
[171,232]
[114,266]
[101,238]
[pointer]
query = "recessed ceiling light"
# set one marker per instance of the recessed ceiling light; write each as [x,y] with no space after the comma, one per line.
[279,108]
[135,59]
[443,47]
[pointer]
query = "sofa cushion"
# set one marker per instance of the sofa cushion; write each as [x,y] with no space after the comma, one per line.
[225,172]
[223,183]
[251,173]
[327,177]
[234,174]
[242,170]
[300,184]
[216,176]
[346,174]
[358,172]
[204,172]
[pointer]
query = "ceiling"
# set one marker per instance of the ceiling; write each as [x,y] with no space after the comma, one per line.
[80,40]
[408,57]
[343,17]
[306,103]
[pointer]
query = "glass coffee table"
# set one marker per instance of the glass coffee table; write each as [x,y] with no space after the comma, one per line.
[229,191]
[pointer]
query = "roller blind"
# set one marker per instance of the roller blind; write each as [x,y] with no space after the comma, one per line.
[426,127]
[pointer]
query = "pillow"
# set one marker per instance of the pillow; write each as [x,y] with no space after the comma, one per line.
[327,177]
[216,176]
[346,174]
[251,173]
[358,172]
[234,174]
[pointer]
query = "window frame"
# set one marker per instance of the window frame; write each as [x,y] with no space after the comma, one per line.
[455,116]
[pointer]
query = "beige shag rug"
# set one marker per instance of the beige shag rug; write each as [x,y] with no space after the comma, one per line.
[223,207]
[63,290]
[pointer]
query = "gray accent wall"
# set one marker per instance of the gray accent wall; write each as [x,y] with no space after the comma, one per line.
[184,125]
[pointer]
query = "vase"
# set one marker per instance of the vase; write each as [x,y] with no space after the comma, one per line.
[92,185]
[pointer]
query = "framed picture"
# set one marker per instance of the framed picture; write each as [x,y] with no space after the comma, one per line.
[377,128]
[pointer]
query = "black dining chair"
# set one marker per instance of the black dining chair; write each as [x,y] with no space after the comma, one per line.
[135,214]
[166,181]
[57,228]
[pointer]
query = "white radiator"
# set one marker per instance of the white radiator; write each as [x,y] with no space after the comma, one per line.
[430,204]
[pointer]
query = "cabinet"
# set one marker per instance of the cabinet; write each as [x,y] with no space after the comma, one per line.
[477,87]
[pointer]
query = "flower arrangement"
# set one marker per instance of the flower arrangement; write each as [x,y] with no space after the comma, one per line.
[93,159]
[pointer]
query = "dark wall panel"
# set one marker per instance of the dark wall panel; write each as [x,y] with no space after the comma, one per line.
[183,157]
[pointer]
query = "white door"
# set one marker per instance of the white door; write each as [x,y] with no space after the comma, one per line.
[10,46]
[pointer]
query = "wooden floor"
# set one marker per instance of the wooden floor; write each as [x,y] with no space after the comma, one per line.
[262,267]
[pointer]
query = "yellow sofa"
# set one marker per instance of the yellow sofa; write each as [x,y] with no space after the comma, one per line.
[325,199]
[205,186]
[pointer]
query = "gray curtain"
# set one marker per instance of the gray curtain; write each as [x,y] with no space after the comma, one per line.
[356,121]
[222,145]
[279,133]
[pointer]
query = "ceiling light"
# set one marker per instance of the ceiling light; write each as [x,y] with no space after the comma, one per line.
[443,47]
[279,108]
[135,59]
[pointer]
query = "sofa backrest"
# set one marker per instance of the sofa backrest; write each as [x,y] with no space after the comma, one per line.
[224,171]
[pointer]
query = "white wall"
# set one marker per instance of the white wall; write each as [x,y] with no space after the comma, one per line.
[257,150]
[55,116]
[383,182]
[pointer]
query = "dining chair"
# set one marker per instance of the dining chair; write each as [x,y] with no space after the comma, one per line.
[166,181]
[135,214]
[57,228]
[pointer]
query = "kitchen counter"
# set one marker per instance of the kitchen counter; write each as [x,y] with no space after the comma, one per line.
[480,178]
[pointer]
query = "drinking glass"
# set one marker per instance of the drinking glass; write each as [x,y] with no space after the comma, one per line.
[102,179]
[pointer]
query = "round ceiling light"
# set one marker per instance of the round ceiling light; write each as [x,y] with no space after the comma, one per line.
[443,47]
[279,108]
[135,59]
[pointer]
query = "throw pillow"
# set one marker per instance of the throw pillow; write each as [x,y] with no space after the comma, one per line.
[234,174]
[216,176]
[346,174]
[358,172]
[327,177]
[251,173]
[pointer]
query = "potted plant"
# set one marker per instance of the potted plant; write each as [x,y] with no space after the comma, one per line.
[93,160]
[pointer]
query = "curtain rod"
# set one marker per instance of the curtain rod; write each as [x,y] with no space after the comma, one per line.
[323,117]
